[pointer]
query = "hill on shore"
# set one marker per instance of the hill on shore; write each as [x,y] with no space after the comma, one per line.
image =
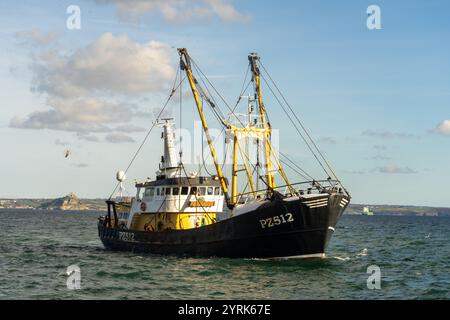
[69,202]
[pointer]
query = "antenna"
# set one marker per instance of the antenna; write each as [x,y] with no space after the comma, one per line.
[250,106]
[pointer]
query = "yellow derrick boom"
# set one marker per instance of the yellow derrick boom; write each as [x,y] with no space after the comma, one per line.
[192,82]
[263,133]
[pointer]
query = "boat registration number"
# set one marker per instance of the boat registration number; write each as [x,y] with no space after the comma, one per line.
[276,220]
[126,236]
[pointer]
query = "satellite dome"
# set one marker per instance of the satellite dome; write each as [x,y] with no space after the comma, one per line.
[120,176]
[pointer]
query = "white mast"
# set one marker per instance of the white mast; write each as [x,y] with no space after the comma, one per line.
[169,165]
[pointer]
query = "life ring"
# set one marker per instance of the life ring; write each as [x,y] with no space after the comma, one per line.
[143,206]
[149,227]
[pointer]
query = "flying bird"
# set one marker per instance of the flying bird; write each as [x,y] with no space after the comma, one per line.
[67,153]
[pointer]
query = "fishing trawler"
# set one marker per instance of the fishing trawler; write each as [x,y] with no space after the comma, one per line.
[260,213]
[367,212]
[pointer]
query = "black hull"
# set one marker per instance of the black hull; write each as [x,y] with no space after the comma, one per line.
[301,230]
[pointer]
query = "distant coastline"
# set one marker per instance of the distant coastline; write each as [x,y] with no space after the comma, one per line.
[68,203]
[399,210]
[72,203]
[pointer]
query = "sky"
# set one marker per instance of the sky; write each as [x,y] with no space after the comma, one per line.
[376,101]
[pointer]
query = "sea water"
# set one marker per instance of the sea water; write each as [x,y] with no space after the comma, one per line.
[38,247]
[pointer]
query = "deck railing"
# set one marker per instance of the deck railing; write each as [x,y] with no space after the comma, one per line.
[311,187]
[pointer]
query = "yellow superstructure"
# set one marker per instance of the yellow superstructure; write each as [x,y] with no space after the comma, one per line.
[171,221]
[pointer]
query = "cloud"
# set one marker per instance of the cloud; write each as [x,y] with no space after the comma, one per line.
[162,113]
[118,138]
[90,89]
[225,11]
[129,128]
[394,169]
[444,128]
[379,147]
[80,115]
[80,165]
[61,143]
[87,137]
[178,11]
[37,38]
[109,65]
[388,135]
[380,157]
[354,171]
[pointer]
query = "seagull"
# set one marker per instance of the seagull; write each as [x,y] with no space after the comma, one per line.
[428,236]
[67,153]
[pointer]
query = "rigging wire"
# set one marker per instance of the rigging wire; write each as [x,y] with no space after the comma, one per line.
[214,88]
[206,94]
[232,112]
[296,165]
[295,126]
[197,68]
[275,151]
[174,89]
[181,120]
[293,169]
[265,110]
[208,97]
[243,192]
[301,124]
[203,154]
[302,173]
[223,129]
[242,89]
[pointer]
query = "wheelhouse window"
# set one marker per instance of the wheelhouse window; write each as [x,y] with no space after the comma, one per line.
[150,192]
[194,190]
[168,191]
[202,191]
[216,191]
[176,191]
[184,191]
[210,191]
